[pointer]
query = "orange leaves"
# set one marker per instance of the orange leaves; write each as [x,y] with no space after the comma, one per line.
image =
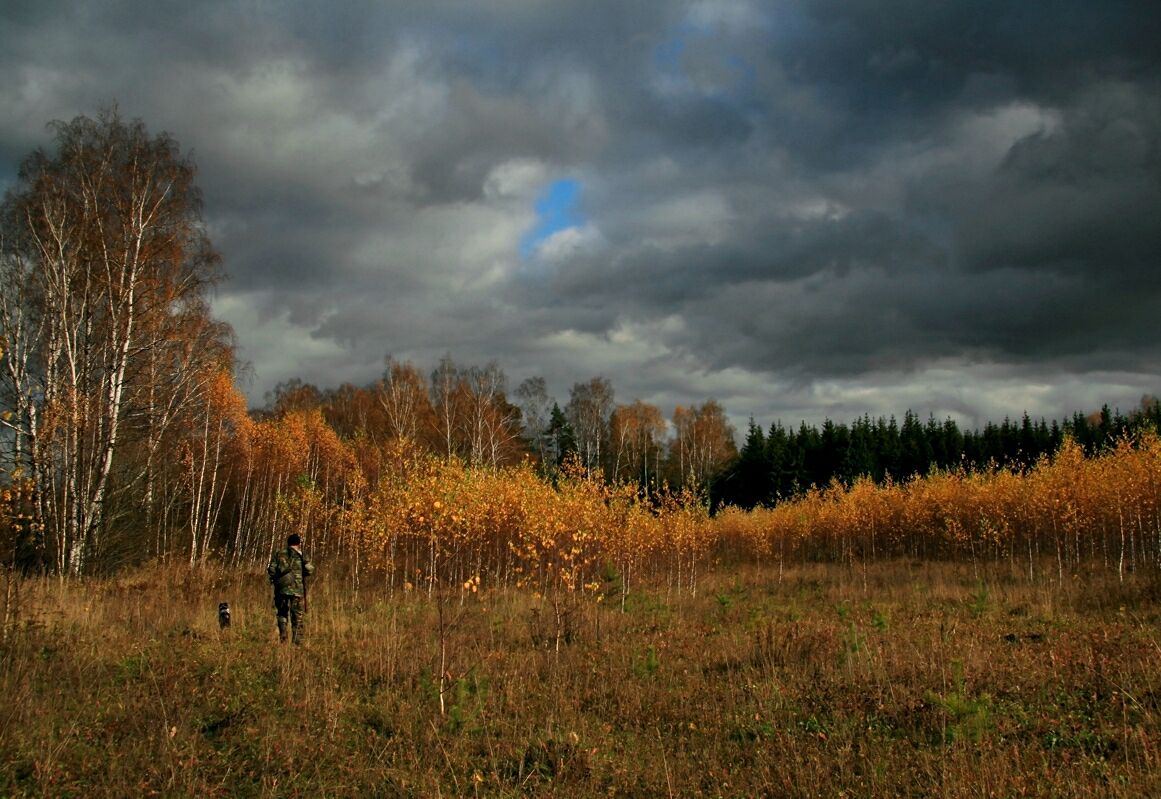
[1076,508]
[426,521]
[458,526]
[19,524]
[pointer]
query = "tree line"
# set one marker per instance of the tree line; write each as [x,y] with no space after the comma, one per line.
[467,412]
[779,463]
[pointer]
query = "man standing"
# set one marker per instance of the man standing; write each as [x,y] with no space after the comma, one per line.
[288,572]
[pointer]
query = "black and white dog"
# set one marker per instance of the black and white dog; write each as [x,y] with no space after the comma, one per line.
[223,615]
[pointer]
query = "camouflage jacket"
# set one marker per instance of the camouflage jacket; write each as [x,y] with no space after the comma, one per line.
[288,571]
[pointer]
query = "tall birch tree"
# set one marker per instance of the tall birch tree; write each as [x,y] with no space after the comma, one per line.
[105,259]
[590,406]
[703,443]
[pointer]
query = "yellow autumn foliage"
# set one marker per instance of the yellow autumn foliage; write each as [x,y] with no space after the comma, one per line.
[390,514]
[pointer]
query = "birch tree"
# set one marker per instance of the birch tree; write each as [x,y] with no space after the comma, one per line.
[446,404]
[104,254]
[636,435]
[590,406]
[703,443]
[535,409]
[402,393]
[490,422]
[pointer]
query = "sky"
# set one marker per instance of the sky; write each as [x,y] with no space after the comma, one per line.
[802,209]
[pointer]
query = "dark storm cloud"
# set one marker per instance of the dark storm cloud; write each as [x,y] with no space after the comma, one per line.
[657,278]
[796,207]
[1083,197]
[888,69]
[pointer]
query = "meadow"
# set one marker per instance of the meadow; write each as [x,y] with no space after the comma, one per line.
[898,677]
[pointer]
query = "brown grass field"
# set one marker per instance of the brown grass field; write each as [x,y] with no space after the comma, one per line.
[908,679]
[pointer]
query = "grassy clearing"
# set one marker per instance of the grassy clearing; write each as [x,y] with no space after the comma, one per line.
[908,680]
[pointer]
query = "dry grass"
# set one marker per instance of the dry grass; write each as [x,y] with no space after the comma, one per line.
[913,679]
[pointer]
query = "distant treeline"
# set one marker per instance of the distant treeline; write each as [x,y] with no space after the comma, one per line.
[781,464]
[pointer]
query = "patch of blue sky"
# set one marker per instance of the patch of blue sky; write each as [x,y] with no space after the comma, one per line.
[557,209]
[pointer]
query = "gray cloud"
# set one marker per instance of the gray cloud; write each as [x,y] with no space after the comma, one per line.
[805,208]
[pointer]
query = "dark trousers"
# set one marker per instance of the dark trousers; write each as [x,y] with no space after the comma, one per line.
[292,614]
